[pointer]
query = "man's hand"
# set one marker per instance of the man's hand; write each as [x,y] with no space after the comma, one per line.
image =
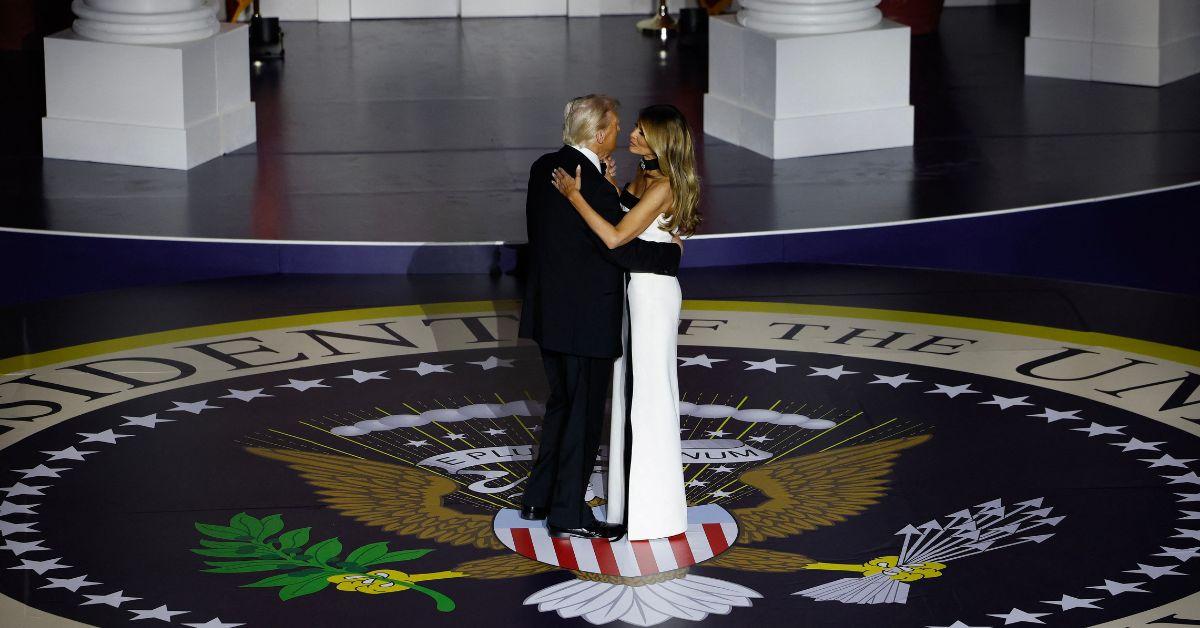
[677,240]
[610,171]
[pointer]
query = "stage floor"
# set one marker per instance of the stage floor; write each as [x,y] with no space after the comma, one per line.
[1020,447]
[423,131]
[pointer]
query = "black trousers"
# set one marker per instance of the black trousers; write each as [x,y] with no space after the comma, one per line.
[570,437]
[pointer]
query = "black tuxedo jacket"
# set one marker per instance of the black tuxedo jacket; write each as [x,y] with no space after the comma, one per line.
[575,290]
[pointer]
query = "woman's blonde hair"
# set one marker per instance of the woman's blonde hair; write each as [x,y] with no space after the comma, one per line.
[584,116]
[669,137]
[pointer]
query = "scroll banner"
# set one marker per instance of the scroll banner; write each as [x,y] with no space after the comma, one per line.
[463,462]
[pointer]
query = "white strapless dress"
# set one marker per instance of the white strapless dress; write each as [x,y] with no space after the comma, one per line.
[656,501]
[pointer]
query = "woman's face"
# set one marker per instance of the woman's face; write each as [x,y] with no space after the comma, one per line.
[637,141]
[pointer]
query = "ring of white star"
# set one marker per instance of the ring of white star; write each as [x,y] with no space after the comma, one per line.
[118,598]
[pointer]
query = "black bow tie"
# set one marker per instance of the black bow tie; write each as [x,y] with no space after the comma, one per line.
[603,168]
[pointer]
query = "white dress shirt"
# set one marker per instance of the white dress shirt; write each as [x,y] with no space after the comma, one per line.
[592,157]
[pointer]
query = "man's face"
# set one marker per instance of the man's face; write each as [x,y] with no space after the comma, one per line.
[608,143]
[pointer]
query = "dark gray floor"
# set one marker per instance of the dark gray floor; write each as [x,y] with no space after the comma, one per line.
[423,130]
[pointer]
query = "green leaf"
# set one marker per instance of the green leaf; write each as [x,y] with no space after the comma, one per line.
[270,527]
[222,532]
[284,579]
[313,571]
[226,544]
[277,580]
[294,539]
[312,585]
[247,566]
[325,551]
[396,557]
[251,526]
[232,553]
[442,602]
[367,553]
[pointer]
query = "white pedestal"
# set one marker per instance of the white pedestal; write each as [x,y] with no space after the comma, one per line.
[583,8]
[388,9]
[291,10]
[333,10]
[635,7]
[165,106]
[1138,42]
[800,95]
[512,8]
[308,10]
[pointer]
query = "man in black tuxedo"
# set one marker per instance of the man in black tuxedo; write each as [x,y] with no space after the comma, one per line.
[574,299]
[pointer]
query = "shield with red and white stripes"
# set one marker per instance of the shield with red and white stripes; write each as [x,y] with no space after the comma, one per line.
[711,530]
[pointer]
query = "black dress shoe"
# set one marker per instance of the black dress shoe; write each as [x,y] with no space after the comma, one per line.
[595,530]
[533,513]
[617,529]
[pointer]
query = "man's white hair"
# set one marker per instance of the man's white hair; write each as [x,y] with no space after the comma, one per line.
[584,116]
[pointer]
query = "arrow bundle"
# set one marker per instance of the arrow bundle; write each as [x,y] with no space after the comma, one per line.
[928,547]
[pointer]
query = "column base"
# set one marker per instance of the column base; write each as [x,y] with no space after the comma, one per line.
[1150,42]
[1146,65]
[806,136]
[1152,66]
[291,10]
[1058,58]
[583,8]
[388,9]
[163,106]
[149,146]
[802,95]
[309,10]
[512,8]
[333,11]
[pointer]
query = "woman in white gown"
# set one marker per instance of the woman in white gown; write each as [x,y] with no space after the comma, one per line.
[661,206]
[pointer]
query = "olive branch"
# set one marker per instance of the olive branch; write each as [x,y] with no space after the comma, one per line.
[258,545]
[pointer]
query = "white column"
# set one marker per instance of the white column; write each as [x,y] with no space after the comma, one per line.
[145,21]
[147,83]
[795,78]
[811,17]
[1139,42]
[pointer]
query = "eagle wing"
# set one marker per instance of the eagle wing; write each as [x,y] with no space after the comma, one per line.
[398,499]
[807,492]
[759,560]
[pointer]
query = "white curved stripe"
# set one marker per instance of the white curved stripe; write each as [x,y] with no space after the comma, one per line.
[585,554]
[913,221]
[663,556]
[543,547]
[505,536]
[712,236]
[698,541]
[626,561]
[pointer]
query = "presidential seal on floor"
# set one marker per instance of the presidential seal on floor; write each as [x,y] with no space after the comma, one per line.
[843,466]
